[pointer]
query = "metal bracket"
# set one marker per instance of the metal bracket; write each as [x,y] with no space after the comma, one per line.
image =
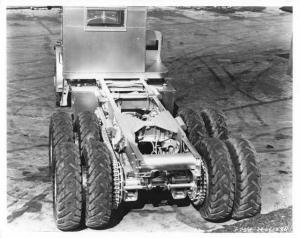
[65,93]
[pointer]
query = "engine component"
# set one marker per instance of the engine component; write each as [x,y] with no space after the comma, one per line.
[153,134]
[131,193]
[155,140]
[178,194]
[170,146]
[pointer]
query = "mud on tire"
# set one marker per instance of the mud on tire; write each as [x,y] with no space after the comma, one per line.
[60,131]
[67,188]
[87,127]
[215,123]
[194,123]
[218,203]
[99,188]
[247,202]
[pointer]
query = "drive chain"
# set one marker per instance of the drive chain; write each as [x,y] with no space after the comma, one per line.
[118,182]
[117,168]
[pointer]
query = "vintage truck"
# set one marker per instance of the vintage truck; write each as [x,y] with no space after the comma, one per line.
[118,131]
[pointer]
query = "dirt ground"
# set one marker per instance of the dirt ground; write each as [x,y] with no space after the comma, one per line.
[234,61]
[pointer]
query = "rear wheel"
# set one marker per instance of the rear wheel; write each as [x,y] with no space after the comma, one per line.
[194,123]
[57,99]
[67,188]
[218,203]
[99,187]
[88,127]
[60,130]
[215,123]
[247,202]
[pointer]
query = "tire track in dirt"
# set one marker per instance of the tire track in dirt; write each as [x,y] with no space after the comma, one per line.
[30,36]
[224,77]
[284,128]
[236,86]
[257,104]
[219,79]
[46,27]
[47,43]
[258,117]
[27,148]
[28,62]
[259,135]
[31,78]
[33,205]
[204,25]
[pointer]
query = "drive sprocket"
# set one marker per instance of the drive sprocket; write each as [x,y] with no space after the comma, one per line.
[197,196]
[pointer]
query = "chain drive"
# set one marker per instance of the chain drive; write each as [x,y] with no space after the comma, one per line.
[198,196]
[117,183]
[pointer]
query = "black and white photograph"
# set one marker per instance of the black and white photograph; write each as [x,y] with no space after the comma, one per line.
[149,118]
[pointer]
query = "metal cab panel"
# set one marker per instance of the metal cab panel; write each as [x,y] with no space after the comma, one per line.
[102,51]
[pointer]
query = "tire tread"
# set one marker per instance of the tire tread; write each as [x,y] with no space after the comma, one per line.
[215,123]
[247,201]
[99,189]
[88,127]
[68,200]
[219,199]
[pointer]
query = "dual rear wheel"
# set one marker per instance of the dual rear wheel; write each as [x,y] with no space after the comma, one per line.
[83,181]
[81,175]
[233,186]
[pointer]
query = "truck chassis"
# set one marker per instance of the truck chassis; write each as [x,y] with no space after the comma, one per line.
[125,135]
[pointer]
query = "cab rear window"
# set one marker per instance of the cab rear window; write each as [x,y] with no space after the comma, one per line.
[105,18]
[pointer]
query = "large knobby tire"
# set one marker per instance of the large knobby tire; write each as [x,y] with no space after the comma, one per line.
[195,126]
[60,131]
[67,187]
[99,187]
[57,99]
[88,127]
[218,203]
[247,202]
[215,123]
